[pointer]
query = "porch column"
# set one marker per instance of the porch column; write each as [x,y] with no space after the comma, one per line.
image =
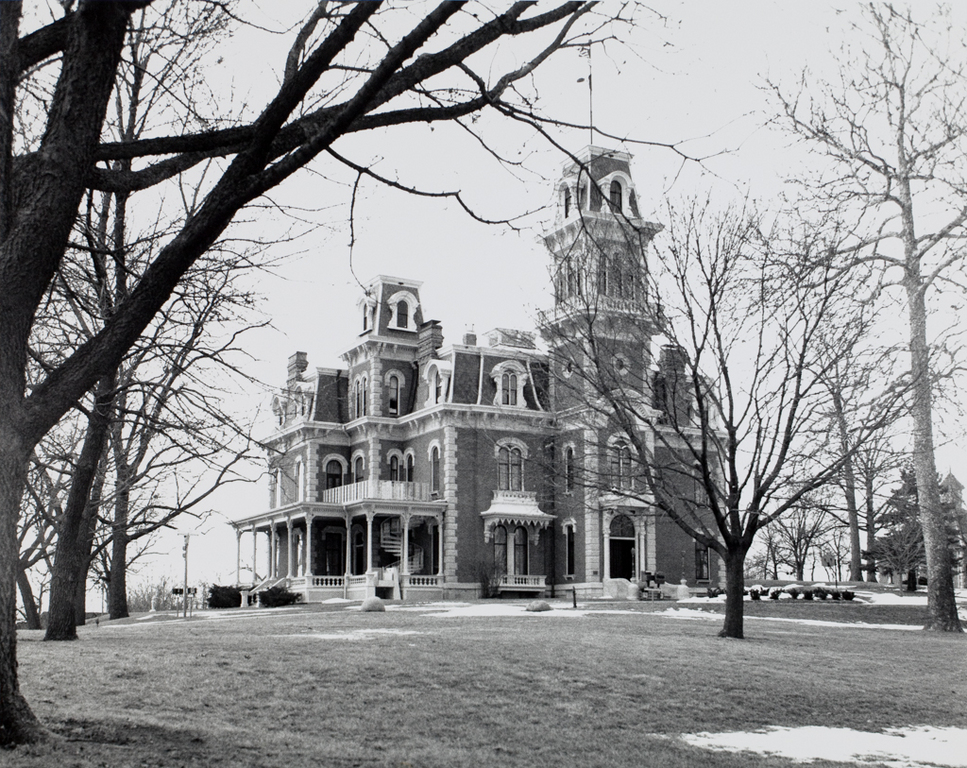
[271,573]
[255,552]
[639,548]
[369,541]
[439,544]
[289,549]
[238,555]
[308,561]
[349,555]
[606,573]
[405,544]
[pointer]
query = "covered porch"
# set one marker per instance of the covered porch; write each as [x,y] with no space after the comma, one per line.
[382,538]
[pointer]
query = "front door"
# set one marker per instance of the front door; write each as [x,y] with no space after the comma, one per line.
[623,559]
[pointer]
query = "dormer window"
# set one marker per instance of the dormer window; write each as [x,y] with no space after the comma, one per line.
[509,377]
[403,306]
[368,306]
[438,374]
[508,389]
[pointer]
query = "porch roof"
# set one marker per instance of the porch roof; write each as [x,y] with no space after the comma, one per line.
[514,508]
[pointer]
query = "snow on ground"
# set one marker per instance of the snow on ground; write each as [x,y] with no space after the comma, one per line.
[356,634]
[690,613]
[915,747]
[453,610]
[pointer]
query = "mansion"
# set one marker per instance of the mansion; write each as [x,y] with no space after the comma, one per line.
[424,469]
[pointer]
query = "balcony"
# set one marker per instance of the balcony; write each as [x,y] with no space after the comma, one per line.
[382,490]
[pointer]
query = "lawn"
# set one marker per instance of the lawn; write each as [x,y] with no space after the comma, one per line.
[616,685]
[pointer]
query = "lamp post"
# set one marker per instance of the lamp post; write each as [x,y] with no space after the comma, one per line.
[185,594]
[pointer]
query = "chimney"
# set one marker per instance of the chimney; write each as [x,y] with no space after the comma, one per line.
[430,339]
[297,366]
[470,339]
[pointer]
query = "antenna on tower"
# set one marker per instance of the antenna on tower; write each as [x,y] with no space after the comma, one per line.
[585,51]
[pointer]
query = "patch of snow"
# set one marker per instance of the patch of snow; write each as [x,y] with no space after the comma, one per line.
[356,634]
[914,747]
[692,614]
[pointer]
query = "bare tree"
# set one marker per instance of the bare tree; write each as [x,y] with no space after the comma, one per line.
[895,129]
[800,532]
[354,72]
[718,438]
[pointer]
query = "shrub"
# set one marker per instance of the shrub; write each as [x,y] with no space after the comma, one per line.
[835,594]
[793,592]
[712,592]
[372,605]
[847,595]
[821,593]
[224,597]
[807,594]
[774,594]
[755,594]
[537,606]
[276,597]
[489,576]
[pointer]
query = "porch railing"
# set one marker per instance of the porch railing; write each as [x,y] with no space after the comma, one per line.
[389,490]
[522,581]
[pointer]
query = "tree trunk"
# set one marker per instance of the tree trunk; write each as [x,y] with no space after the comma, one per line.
[27,598]
[68,557]
[870,530]
[941,602]
[117,592]
[18,725]
[734,589]
[849,488]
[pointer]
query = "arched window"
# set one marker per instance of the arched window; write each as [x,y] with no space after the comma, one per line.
[358,470]
[510,469]
[520,551]
[394,468]
[394,395]
[621,477]
[365,318]
[622,527]
[402,315]
[300,474]
[615,196]
[500,549]
[409,468]
[333,474]
[357,399]
[435,469]
[567,202]
[278,488]
[365,395]
[569,471]
[582,197]
[508,389]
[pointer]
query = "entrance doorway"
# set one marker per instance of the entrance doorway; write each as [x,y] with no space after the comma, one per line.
[622,548]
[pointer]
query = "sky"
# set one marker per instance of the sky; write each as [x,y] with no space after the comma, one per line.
[692,74]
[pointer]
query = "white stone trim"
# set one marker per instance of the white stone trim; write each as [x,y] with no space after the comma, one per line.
[511,442]
[513,368]
[411,304]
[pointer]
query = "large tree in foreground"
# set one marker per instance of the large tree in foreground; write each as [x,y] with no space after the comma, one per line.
[892,133]
[352,68]
[721,438]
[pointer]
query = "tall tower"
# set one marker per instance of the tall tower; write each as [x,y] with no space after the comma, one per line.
[600,271]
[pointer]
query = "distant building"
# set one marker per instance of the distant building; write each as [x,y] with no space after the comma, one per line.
[425,469]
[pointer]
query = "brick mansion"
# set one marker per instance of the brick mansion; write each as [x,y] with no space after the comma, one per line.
[426,468]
